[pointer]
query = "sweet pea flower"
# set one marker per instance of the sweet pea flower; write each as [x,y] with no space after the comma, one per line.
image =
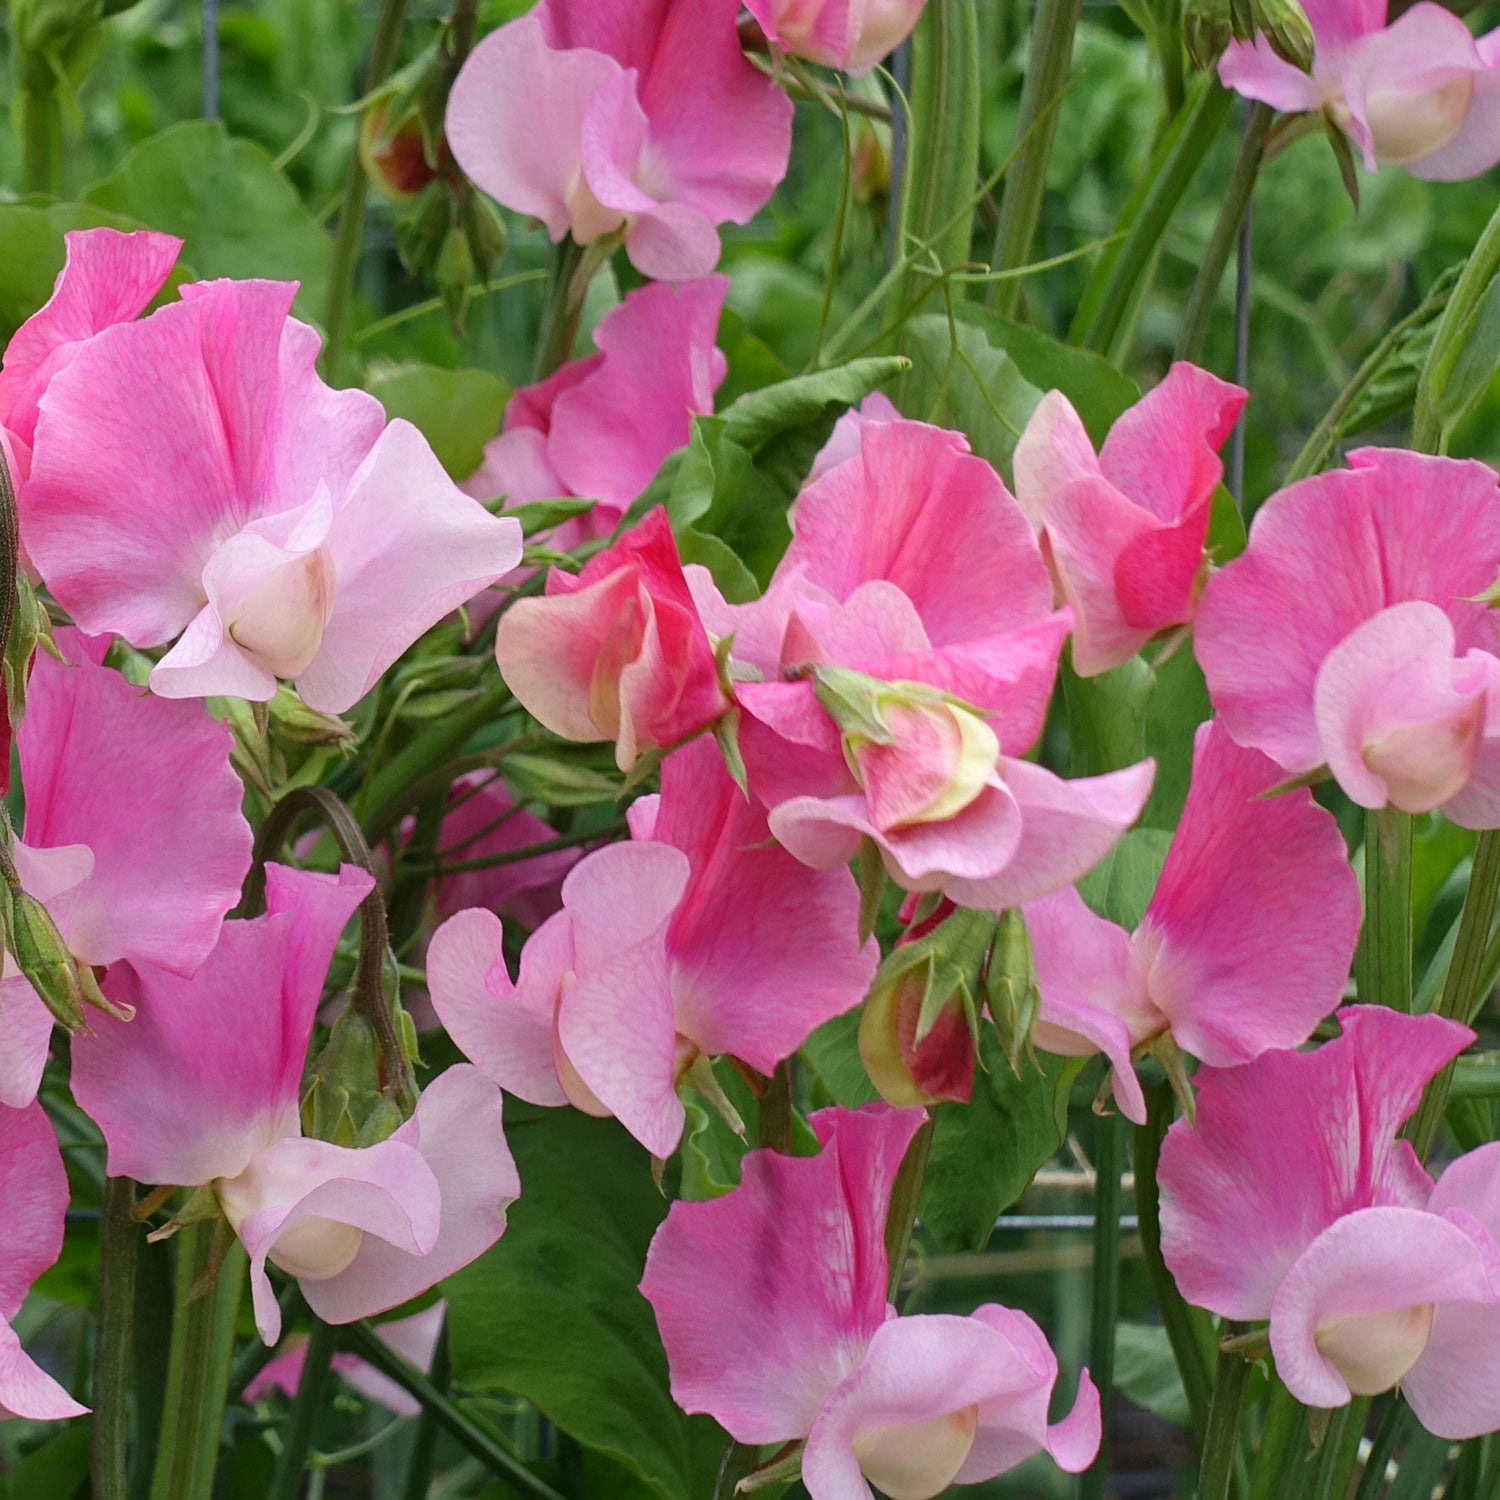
[909,648]
[639,118]
[616,652]
[1369,1273]
[1244,946]
[201,1090]
[194,480]
[1420,93]
[1123,531]
[34,1190]
[107,278]
[853,35]
[696,939]
[1349,633]
[844,441]
[773,1304]
[601,426]
[414,1338]
[133,837]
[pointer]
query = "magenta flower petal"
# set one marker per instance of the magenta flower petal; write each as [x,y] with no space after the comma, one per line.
[25,1035]
[767,1297]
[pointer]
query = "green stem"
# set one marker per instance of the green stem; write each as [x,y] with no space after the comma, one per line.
[349,237]
[1340,1449]
[1147,215]
[1106,1289]
[564,307]
[119,1237]
[1205,292]
[1464,991]
[528,851]
[41,136]
[1382,1446]
[1385,960]
[424,1446]
[1182,1322]
[197,1367]
[286,1480]
[1221,1442]
[1279,1465]
[1049,60]
[473,1434]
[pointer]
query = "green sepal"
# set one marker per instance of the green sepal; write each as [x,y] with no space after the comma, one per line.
[869,871]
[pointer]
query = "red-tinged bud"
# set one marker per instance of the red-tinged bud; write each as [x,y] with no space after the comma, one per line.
[394,154]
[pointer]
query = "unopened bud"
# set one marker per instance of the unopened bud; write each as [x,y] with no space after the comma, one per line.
[1285,26]
[43,958]
[294,722]
[394,154]
[1011,990]
[1207,29]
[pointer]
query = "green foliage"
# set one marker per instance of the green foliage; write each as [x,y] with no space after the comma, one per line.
[457,411]
[31,250]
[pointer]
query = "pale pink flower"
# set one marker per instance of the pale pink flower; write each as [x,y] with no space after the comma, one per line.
[1245,945]
[633,117]
[1421,93]
[772,1303]
[697,939]
[1349,633]
[853,35]
[1292,1200]
[1123,531]
[202,1089]
[601,426]
[194,480]
[616,652]
[133,837]
[34,1190]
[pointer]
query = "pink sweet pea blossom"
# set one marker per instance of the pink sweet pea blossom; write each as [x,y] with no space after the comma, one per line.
[616,652]
[1244,947]
[34,1191]
[601,426]
[633,117]
[414,1338]
[1421,92]
[107,278]
[202,1087]
[1123,531]
[851,34]
[1348,635]
[133,838]
[194,480]
[909,649]
[1292,1200]
[699,938]
[772,1302]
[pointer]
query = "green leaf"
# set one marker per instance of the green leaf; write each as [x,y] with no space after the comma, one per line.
[560,780]
[1226,528]
[31,250]
[237,213]
[805,402]
[1179,705]
[1458,388]
[58,1470]
[735,581]
[833,1050]
[542,515]
[985,1152]
[457,411]
[552,1313]
[1119,887]
[1146,1371]
[1107,716]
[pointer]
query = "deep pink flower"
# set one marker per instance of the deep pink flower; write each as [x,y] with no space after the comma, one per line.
[107,278]
[699,938]
[914,575]
[601,426]
[1347,634]
[133,837]
[1292,1200]
[34,1190]
[616,652]
[1244,947]
[851,34]
[1123,531]
[195,480]
[1421,92]
[772,1303]
[202,1088]
[633,117]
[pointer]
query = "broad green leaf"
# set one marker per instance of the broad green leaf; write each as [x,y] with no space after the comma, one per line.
[985,1152]
[735,581]
[1179,704]
[58,1470]
[1146,1371]
[31,250]
[1119,887]
[457,411]
[1107,716]
[833,1050]
[805,402]
[1226,528]
[552,1312]
[1459,387]
[226,199]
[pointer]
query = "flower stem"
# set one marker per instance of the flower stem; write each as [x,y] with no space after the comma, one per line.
[1236,201]
[1222,1440]
[1385,959]
[424,1446]
[1463,992]
[1381,1447]
[286,1480]
[197,1367]
[349,237]
[1279,1460]
[906,1194]
[1340,1449]
[1108,1145]
[1049,60]
[41,135]
[564,307]
[119,1237]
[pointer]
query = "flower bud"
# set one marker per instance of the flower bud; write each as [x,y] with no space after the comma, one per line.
[1285,27]
[43,958]
[1207,29]
[1010,988]
[394,154]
